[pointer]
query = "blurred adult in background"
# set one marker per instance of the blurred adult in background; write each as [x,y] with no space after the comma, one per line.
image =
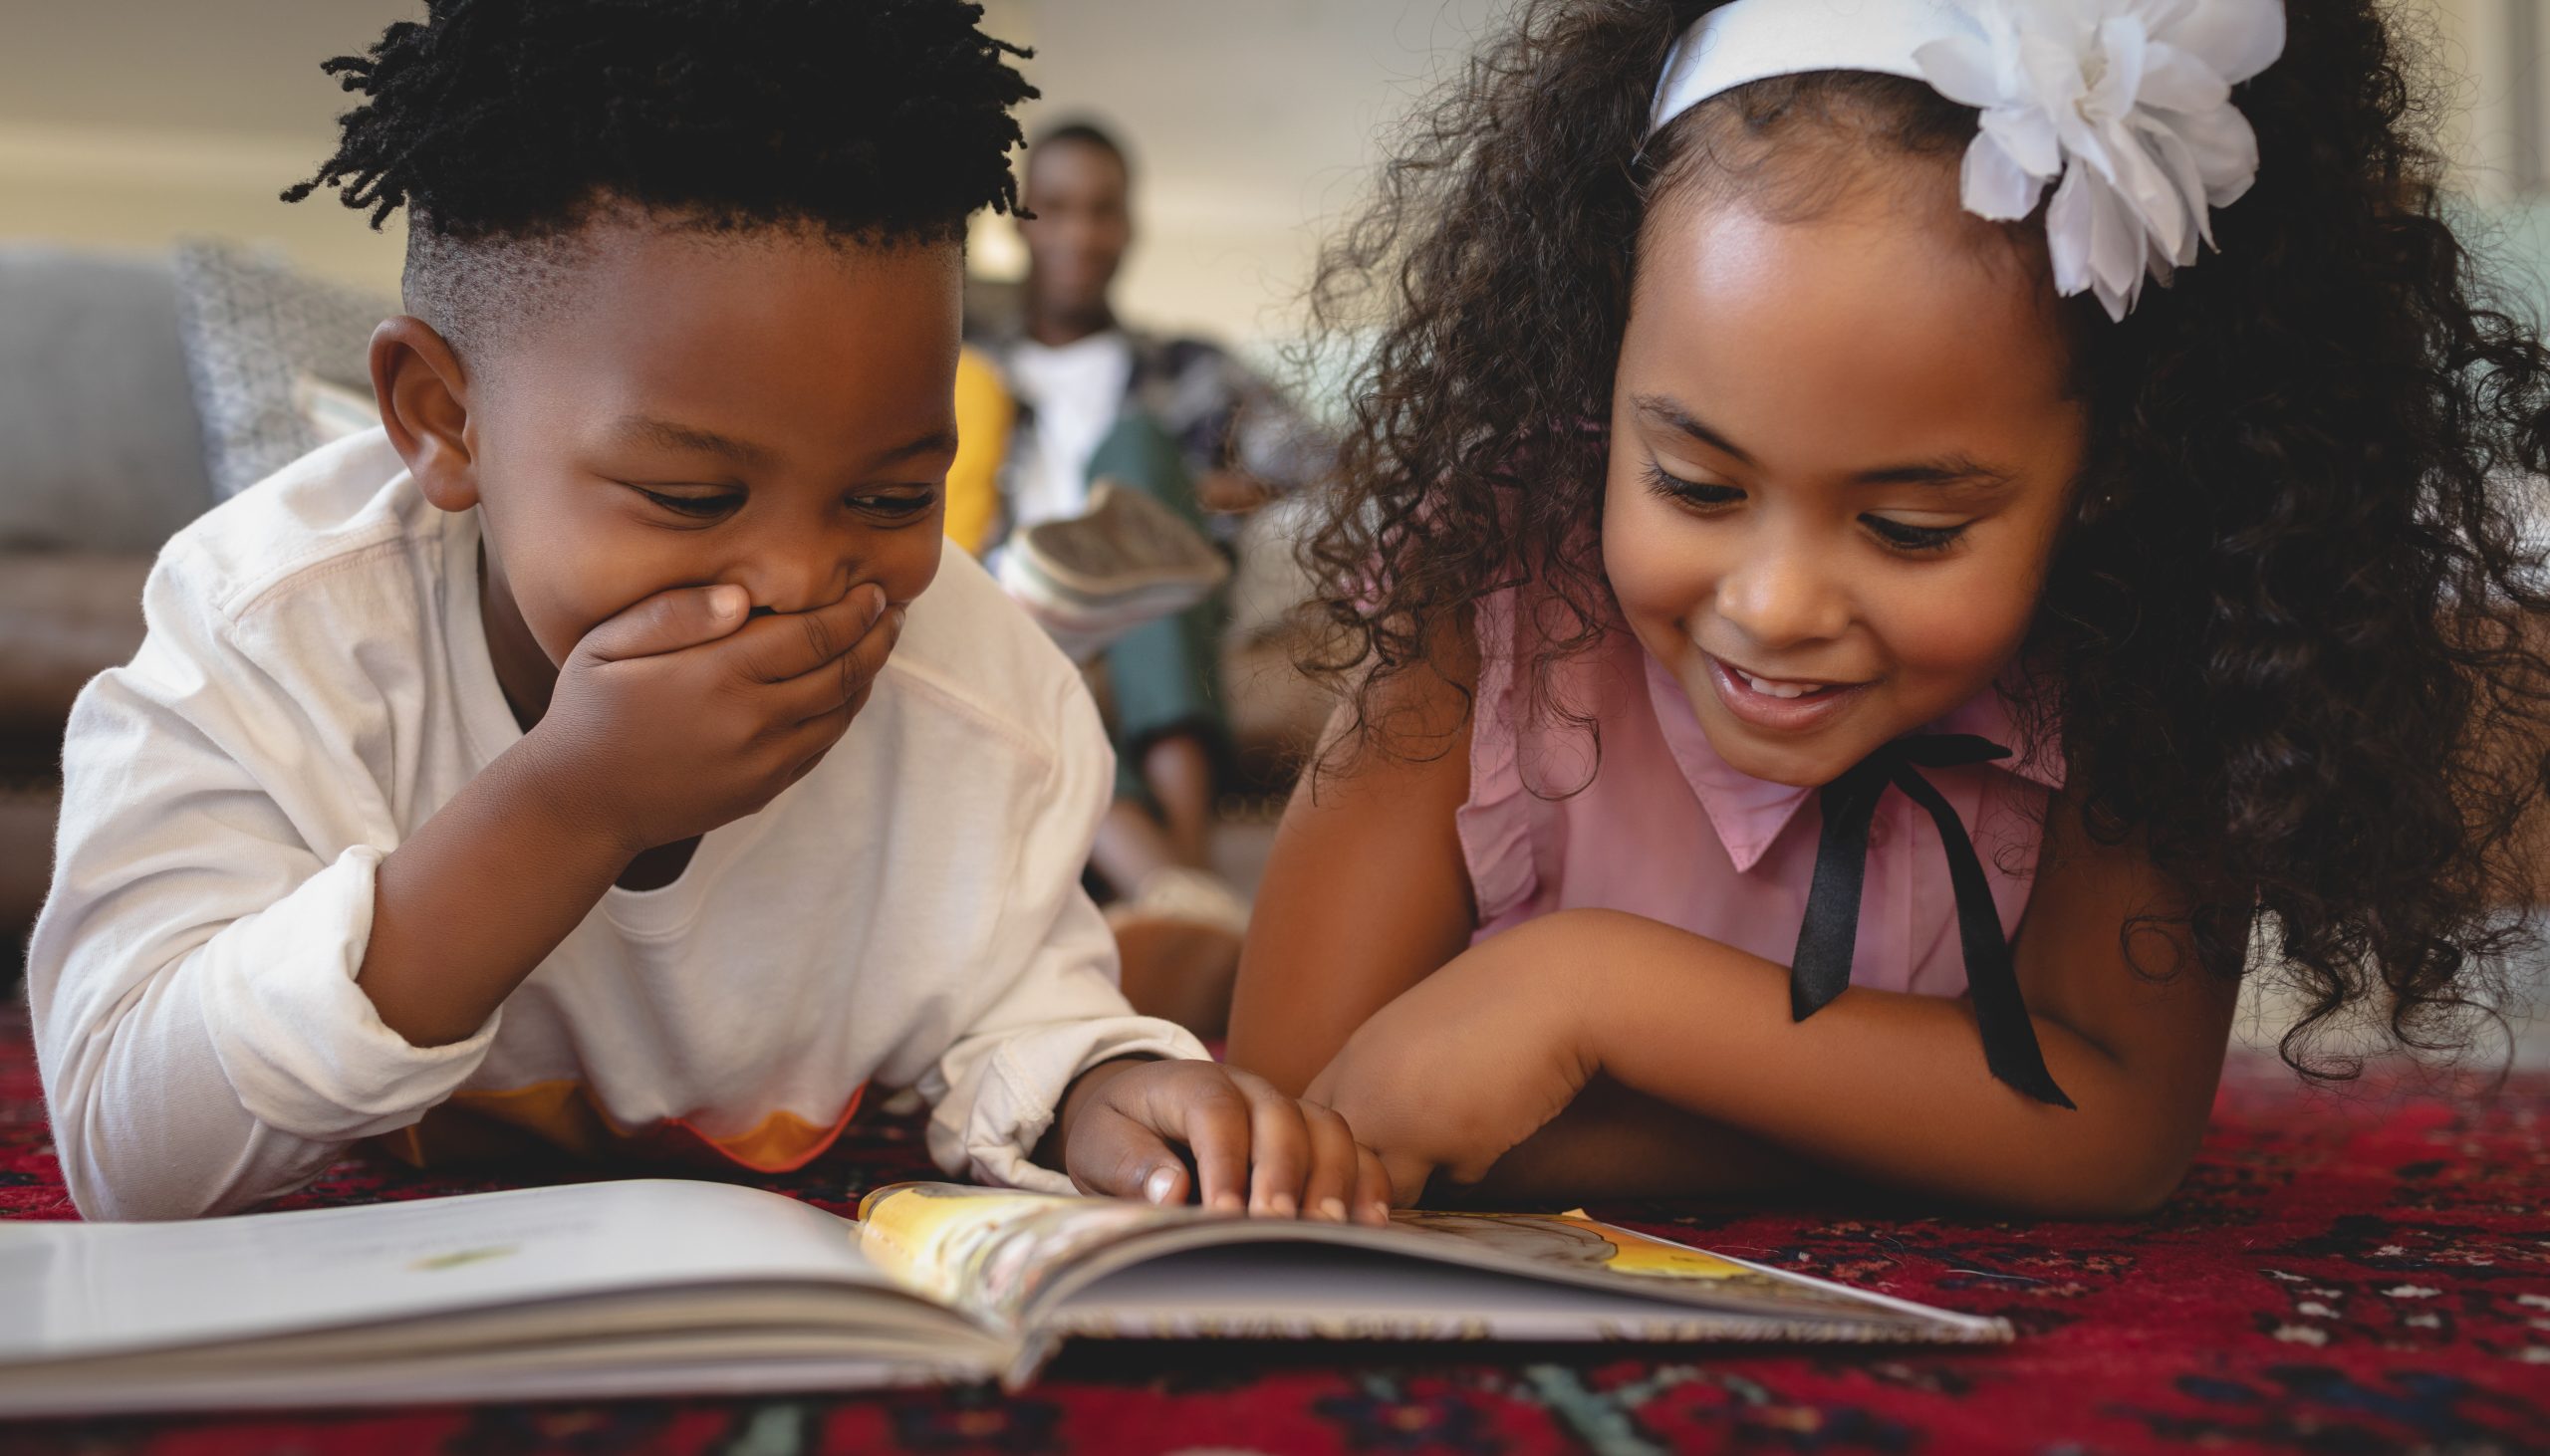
[1182,421]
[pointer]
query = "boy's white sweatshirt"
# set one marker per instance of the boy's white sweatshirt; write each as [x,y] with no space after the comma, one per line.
[316,683]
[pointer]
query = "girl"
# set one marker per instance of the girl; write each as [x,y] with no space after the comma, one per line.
[1852,628]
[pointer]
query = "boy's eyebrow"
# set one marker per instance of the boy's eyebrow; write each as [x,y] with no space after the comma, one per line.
[1952,469]
[675,436]
[651,430]
[940,441]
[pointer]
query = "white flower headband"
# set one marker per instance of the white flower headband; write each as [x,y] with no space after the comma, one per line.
[2128,101]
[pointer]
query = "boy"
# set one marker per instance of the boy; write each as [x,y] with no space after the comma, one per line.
[606,753]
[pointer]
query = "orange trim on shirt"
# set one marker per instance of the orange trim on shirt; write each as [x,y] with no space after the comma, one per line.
[486,1124]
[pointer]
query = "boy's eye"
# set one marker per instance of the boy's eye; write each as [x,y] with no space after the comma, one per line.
[1689,492]
[701,507]
[894,505]
[1903,536]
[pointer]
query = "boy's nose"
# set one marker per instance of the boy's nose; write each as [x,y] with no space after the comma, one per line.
[800,582]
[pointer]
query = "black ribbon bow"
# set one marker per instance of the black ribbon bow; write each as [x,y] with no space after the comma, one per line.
[1821,969]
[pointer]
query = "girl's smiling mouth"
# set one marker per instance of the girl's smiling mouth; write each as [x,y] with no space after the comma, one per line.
[1775,704]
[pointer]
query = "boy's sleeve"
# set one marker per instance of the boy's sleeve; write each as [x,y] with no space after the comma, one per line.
[1053,1010]
[202,1043]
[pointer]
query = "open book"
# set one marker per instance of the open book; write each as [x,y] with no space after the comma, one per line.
[661,1287]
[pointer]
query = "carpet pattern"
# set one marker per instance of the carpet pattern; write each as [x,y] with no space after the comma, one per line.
[2361,1272]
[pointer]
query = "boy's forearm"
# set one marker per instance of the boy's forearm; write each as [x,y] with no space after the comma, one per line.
[478,896]
[1885,1086]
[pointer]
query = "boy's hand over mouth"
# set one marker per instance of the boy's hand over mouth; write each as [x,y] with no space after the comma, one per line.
[685,713]
[1253,1147]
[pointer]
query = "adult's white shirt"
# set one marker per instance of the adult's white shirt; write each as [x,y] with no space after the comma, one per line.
[1077,390]
[316,683]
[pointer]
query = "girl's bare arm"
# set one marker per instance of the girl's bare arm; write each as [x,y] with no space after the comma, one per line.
[1364,894]
[1882,1087]
[1367,893]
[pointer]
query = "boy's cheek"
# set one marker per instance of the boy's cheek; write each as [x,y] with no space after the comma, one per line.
[913,566]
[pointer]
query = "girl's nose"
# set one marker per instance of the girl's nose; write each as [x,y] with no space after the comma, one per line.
[1780,599]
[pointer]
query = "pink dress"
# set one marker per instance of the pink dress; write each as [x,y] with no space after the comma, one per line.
[1662,828]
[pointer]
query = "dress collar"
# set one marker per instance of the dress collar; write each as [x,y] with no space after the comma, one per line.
[1749,813]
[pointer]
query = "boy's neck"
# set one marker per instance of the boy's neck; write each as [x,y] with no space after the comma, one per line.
[523,671]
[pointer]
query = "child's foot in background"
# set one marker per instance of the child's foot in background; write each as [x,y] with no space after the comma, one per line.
[1180,938]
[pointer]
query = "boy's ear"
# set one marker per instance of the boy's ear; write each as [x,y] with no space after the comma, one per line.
[424,404]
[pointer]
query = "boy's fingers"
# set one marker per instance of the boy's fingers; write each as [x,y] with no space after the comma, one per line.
[1373,1197]
[1132,1161]
[1214,1123]
[1279,1153]
[835,692]
[668,622]
[1331,1188]
[794,643]
[847,677]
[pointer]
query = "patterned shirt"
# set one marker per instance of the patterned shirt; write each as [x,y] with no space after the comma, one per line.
[1222,414]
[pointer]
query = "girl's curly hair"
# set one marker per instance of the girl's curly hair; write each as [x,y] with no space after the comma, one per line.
[2288,634]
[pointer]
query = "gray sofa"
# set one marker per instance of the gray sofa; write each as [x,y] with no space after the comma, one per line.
[102,458]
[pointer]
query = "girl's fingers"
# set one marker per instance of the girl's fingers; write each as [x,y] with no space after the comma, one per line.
[1334,1158]
[1279,1149]
[1373,1188]
[1404,1177]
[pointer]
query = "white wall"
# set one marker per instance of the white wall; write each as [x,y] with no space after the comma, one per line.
[1251,126]
[2467,42]
[126,123]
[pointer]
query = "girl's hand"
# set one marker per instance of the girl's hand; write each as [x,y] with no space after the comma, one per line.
[1467,1062]
[1253,1147]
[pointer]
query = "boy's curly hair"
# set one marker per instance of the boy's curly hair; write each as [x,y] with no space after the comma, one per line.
[501,125]
[2289,635]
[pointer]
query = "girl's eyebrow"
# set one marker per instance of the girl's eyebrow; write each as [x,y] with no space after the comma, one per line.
[1954,469]
[1660,410]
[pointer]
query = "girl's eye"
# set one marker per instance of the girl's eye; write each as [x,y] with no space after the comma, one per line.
[1902,537]
[1689,492]
[699,506]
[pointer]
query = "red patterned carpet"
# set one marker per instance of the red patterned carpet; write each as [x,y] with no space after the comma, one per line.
[2340,1275]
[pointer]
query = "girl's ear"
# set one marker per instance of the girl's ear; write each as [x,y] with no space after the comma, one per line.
[424,404]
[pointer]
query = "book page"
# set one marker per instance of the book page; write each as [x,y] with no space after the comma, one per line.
[989,1250]
[75,1289]
[1308,1291]
[1015,1258]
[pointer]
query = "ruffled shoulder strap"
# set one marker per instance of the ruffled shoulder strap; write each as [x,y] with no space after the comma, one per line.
[1495,821]
[1522,761]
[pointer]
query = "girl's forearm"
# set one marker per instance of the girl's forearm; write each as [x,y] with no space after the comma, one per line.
[1614,1143]
[1884,1085]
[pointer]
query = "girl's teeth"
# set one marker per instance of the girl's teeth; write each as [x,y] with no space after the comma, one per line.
[1770,689]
